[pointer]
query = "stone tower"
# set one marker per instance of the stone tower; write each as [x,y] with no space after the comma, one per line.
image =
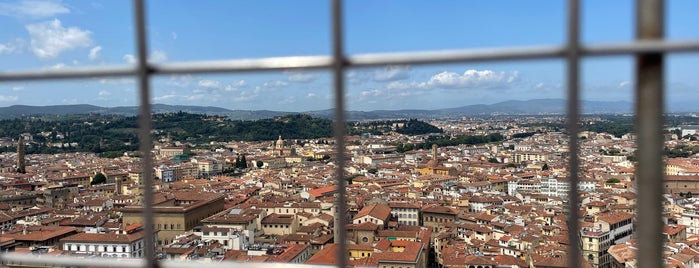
[20,155]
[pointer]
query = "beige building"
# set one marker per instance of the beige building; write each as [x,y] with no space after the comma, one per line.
[176,212]
[279,224]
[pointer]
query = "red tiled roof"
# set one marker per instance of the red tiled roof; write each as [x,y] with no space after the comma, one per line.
[378,211]
[322,191]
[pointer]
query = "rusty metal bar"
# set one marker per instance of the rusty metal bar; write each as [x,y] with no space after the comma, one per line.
[143,72]
[340,130]
[649,127]
[573,116]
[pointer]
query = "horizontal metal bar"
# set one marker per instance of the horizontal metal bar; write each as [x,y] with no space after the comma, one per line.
[88,72]
[452,56]
[360,60]
[245,65]
[71,261]
[53,261]
[649,46]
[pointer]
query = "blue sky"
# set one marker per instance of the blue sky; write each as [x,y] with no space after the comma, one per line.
[51,34]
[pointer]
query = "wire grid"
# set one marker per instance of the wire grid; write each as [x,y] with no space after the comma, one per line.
[650,45]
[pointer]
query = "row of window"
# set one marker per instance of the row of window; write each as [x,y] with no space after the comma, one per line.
[276,226]
[407,215]
[438,219]
[408,222]
[216,233]
[99,248]
[172,226]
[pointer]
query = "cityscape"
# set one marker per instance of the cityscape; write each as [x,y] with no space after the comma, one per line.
[329,133]
[485,191]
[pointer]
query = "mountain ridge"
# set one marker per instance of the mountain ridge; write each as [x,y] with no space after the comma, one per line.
[509,107]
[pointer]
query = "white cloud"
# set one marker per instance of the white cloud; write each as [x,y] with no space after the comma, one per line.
[180,80]
[6,48]
[130,59]
[104,93]
[372,93]
[212,84]
[94,53]
[17,88]
[310,95]
[33,9]
[8,98]
[624,84]
[406,85]
[158,56]
[173,35]
[235,85]
[473,79]
[14,46]
[300,77]
[392,73]
[57,66]
[50,38]
[275,84]
[155,56]
[247,95]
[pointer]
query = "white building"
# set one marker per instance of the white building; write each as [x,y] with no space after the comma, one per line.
[406,213]
[127,243]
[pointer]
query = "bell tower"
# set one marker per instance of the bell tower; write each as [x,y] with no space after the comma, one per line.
[20,155]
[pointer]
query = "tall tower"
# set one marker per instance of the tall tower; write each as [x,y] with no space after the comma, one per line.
[434,152]
[20,155]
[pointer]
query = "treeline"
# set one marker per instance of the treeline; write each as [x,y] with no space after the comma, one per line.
[417,127]
[204,128]
[442,141]
[681,150]
[523,135]
[111,135]
[91,133]
[406,127]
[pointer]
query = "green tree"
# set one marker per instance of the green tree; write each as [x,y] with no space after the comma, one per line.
[545,167]
[243,162]
[260,164]
[613,180]
[98,178]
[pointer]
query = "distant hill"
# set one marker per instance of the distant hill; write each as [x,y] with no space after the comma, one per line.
[511,107]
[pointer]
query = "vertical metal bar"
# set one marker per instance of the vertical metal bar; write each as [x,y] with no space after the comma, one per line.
[649,127]
[340,129]
[144,131]
[573,63]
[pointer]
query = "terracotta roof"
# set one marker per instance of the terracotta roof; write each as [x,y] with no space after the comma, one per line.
[104,238]
[378,211]
[325,256]
[322,191]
